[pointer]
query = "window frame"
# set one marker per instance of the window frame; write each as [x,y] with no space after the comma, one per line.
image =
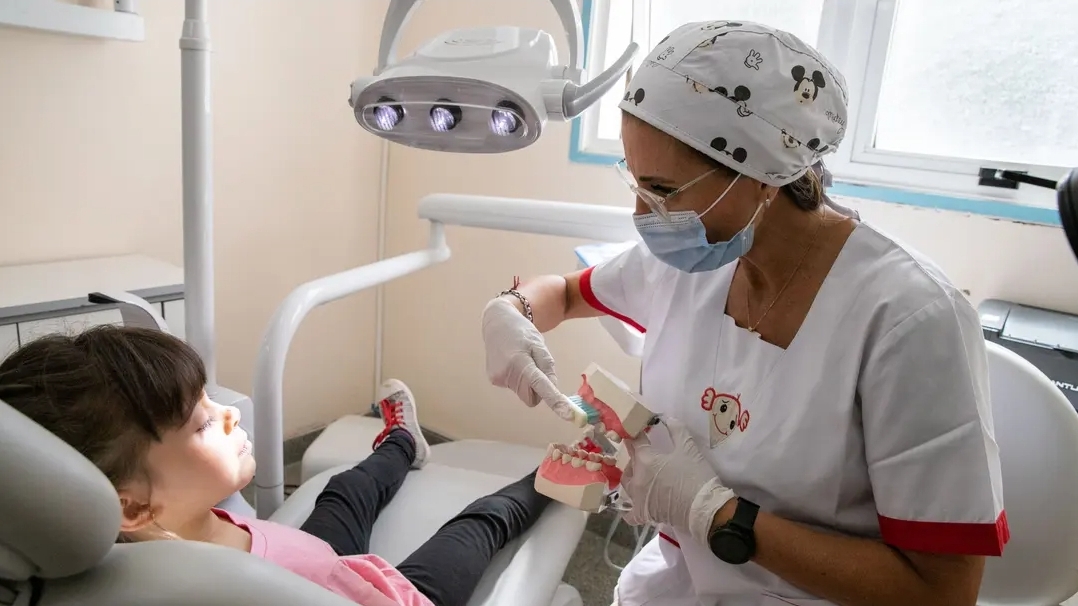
[855,35]
[596,13]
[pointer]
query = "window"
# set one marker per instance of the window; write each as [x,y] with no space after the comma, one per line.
[939,90]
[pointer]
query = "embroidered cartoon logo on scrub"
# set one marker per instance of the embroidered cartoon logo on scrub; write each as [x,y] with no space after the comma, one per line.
[726,414]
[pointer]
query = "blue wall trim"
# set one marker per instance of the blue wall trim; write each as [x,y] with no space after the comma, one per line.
[991,208]
[575,135]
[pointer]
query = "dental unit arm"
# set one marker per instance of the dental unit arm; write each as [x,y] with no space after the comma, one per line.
[586,475]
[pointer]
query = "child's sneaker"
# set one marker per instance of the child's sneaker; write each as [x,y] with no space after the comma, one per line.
[398,409]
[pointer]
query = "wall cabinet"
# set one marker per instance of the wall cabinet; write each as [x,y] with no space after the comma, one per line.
[47,298]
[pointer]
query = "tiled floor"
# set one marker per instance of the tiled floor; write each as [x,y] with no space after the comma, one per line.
[591,576]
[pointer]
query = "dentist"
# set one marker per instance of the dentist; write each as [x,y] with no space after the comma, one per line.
[825,388]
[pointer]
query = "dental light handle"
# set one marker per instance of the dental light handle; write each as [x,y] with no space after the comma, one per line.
[576,99]
[400,11]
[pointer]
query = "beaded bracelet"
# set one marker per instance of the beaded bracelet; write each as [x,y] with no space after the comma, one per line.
[523,300]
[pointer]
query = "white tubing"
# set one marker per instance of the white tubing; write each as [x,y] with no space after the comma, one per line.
[269,372]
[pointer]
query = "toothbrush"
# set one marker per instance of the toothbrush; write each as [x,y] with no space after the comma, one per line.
[575,410]
[586,414]
[583,413]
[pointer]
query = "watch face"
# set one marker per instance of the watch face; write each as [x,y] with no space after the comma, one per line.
[730,547]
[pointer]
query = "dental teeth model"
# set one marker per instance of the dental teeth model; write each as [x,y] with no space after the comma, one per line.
[584,475]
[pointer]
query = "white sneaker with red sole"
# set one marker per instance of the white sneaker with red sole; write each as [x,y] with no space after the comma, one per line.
[398,409]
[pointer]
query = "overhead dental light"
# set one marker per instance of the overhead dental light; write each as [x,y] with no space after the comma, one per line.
[478,90]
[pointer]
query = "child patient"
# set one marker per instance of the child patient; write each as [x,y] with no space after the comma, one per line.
[132,401]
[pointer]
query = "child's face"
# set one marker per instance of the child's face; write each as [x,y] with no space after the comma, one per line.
[197,466]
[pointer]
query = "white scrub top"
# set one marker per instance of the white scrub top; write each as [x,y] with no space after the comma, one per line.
[874,422]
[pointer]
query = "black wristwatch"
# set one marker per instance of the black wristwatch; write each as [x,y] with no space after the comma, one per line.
[735,541]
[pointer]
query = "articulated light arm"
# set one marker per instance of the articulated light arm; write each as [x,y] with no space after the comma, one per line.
[400,11]
[269,371]
[585,221]
[576,98]
[566,219]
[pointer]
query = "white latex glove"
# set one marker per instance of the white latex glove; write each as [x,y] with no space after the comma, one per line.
[678,488]
[517,358]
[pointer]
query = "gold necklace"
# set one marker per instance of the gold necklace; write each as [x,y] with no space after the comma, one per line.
[748,323]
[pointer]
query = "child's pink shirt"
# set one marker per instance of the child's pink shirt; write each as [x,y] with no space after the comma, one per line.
[364,579]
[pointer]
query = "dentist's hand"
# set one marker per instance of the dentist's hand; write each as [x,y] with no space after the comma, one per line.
[679,488]
[517,358]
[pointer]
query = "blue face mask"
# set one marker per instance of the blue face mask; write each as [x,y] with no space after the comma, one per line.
[681,241]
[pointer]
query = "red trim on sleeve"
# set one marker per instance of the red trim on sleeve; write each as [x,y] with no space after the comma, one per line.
[589,296]
[986,539]
[671,539]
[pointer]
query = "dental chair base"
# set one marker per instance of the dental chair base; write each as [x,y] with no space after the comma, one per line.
[526,572]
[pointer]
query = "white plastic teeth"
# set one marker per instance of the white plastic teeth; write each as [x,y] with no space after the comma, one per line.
[577,457]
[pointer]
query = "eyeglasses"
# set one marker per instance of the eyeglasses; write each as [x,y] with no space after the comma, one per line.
[656,202]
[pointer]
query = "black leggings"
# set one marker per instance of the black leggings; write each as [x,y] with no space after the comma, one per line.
[448,567]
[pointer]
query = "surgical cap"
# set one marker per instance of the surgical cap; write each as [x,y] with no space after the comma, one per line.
[756,99]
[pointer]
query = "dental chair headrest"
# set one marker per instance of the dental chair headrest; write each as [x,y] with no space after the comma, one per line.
[59,515]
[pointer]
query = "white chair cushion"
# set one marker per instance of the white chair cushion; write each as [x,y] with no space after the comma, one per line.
[184,573]
[1037,432]
[527,572]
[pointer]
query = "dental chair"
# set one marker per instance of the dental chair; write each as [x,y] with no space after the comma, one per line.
[528,571]
[1037,432]
[59,519]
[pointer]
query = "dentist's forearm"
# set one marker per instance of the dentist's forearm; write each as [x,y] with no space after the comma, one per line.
[852,571]
[553,300]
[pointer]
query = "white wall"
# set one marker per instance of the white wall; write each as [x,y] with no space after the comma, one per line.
[90,166]
[432,325]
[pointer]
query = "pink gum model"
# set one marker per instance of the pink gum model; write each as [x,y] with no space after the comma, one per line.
[621,414]
[579,475]
[576,477]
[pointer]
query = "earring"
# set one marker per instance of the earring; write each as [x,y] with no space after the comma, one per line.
[153,519]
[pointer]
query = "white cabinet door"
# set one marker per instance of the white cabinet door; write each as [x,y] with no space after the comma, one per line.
[9,340]
[68,325]
[175,318]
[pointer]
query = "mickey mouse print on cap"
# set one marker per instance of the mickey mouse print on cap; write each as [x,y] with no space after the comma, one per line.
[756,99]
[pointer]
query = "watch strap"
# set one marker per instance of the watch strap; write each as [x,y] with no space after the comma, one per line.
[744,514]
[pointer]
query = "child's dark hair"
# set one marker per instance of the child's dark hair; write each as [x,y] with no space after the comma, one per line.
[109,392]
